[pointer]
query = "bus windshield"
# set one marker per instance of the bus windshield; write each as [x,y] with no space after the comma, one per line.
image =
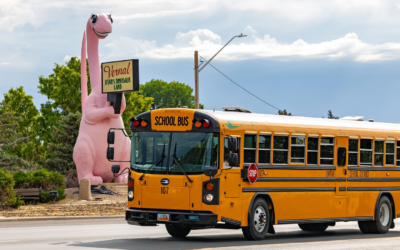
[194,151]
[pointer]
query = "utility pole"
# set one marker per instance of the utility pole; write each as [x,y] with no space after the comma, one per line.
[196,80]
[197,70]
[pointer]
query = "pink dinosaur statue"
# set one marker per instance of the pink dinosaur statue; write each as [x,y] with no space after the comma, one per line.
[97,114]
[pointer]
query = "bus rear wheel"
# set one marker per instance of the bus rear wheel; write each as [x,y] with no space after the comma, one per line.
[383,218]
[178,230]
[258,221]
[314,227]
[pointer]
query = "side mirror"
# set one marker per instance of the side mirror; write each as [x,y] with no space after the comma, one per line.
[233,160]
[110,153]
[211,171]
[232,144]
[111,137]
[115,169]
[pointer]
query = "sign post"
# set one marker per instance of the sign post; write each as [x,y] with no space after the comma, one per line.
[119,77]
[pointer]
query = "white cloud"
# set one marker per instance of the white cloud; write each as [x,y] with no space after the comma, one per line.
[15,13]
[67,58]
[5,63]
[252,47]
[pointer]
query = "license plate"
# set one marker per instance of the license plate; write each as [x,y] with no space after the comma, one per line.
[162,217]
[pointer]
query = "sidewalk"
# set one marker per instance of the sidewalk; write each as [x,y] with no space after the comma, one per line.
[9,219]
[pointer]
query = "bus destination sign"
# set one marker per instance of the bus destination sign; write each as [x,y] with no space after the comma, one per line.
[120,76]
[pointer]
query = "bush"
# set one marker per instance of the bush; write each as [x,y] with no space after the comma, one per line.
[43,179]
[7,193]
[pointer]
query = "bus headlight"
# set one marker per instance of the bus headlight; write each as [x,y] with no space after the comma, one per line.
[130,194]
[209,197]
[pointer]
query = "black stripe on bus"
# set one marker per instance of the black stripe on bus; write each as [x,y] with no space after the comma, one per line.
[373,189]
[294,179]
[327,220]
[373,179]
[375,168]
[340,179]
[278,167]
[398,216]
[342,188]
[300,189]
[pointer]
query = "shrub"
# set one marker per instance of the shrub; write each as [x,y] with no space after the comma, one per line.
[22,180]
[7,194]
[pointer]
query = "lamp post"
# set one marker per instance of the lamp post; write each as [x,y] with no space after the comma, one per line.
[197,69]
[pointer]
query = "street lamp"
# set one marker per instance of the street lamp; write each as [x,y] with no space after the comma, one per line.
[197,69]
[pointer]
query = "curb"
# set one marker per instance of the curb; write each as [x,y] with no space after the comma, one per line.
[8,219]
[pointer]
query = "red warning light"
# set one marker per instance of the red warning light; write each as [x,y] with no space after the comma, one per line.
[206,123]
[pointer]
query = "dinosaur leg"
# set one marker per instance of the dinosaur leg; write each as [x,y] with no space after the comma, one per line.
[124,177]
[84,162]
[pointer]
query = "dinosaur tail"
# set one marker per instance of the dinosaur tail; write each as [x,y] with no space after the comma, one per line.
[84,91]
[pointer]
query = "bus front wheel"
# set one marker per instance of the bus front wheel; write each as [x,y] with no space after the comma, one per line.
[258,221]
[178,230]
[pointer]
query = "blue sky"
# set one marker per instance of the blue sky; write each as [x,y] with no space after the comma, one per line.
[304,56]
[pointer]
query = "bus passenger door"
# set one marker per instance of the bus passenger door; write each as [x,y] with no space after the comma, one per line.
[341,176]
[232,186]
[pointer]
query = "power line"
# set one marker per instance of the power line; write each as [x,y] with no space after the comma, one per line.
[242,87]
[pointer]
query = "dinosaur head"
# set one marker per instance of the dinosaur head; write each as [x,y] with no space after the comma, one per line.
[100,24]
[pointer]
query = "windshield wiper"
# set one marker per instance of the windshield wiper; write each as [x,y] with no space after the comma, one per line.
[159,159]
[179,164]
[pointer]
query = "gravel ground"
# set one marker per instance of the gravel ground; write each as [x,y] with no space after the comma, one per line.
[71,206]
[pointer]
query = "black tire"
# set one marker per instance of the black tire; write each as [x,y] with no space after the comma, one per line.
[257,230]
[383,218]
[364,227]
[178,230]
[314,227]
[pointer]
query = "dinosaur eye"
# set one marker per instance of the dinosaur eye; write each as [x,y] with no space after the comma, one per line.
[111,18]
[94,18]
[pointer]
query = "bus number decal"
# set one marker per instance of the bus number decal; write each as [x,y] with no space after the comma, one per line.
[164,190]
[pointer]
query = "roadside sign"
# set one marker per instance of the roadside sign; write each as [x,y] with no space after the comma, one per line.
[120,76]
[252,173]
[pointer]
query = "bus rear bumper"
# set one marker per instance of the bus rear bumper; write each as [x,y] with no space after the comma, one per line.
[149,217]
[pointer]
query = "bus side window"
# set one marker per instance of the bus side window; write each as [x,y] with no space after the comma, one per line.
[226,162]
[341,157]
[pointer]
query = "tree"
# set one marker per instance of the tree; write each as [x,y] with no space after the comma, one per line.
[62,147]
[284,112]
[21,105]
[63,87]
[168,95]
[11,138]
[135,104]
[331,116]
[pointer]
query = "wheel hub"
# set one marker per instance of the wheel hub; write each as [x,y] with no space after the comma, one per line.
[259,218]
[384,214]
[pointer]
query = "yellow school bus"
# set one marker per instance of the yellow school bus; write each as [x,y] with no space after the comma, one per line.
[192,169]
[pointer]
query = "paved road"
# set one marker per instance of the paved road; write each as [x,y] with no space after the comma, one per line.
[116,234]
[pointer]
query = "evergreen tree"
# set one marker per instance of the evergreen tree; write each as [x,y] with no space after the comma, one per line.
[11,138]
[62,147]
[331,116]
[284,112]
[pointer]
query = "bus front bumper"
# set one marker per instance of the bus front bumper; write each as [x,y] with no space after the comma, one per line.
[152,217]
